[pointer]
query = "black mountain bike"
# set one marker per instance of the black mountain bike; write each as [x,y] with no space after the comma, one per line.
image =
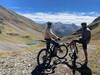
[73,54]
[45,56]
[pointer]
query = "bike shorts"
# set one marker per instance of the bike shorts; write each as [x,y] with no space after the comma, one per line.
[50,41]
[83,42]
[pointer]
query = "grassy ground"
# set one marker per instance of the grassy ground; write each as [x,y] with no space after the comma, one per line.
[94,57]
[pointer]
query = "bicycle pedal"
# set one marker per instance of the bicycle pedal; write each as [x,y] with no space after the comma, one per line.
[56,62]
[53,71]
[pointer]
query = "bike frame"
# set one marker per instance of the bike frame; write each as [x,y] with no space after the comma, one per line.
[74,52]
[70,45]
[52,48]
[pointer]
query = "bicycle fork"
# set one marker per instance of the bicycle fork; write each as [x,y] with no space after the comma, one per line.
[74,57]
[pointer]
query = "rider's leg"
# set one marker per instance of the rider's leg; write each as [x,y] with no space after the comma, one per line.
[48,44]
[85,52]
[56,46]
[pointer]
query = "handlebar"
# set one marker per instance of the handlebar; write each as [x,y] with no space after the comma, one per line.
[70,43]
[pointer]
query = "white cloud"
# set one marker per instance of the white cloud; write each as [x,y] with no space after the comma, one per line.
[63,17]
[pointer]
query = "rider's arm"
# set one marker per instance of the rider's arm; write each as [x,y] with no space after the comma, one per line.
[80,35]
[53,35]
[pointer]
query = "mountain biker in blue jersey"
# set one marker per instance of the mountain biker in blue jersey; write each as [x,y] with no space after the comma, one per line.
[85,39]
[50,37]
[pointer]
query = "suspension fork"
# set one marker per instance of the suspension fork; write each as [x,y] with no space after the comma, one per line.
[74,62]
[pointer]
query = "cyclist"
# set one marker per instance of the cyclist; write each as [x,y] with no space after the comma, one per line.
[50,37]
[85,39]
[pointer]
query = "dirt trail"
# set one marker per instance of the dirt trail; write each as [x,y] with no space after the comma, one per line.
[11,46]
[26,64]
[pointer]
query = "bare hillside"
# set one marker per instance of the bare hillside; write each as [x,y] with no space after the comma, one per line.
[17,30]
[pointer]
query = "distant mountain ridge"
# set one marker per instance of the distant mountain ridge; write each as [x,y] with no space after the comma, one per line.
[64,29]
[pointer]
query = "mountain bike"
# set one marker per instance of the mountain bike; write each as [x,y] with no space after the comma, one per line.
[73,54]
[45,56]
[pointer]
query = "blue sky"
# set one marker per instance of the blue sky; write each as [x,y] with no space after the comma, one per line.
[65,10]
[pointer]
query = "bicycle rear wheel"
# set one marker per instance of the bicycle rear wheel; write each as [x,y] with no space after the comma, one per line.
[62,51]
[44,58]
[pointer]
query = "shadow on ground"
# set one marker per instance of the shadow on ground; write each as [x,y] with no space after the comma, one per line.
[42,70]
[39,70]
[82,70]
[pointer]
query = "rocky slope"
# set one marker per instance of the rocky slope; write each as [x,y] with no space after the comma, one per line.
[17,30]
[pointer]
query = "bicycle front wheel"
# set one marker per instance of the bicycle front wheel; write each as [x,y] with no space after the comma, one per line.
[62,51]
[43,58]
[74,62]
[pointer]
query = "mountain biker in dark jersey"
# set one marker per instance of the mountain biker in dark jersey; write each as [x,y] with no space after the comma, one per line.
[85,39]
[50,37]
